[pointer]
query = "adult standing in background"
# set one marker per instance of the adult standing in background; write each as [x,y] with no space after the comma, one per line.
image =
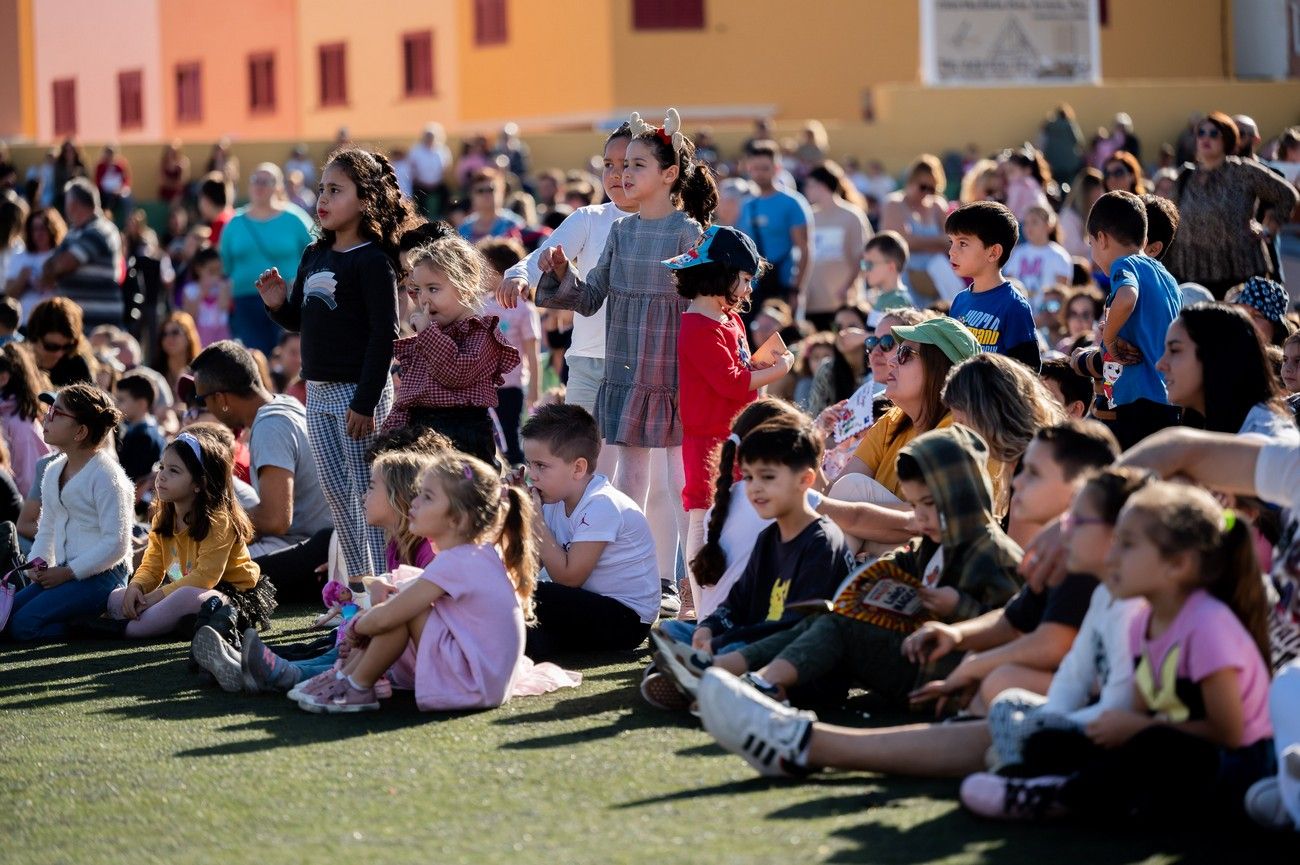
[268,233]
[1220,244]
[113,178]
[1062,144]
[430,160]
[839,234]
[918,213]
[778,221]
[300,160]
[88,267]
[173,174]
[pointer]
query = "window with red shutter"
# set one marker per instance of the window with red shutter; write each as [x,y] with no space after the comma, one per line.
[130,99]
[668,14]
[261,82]
[417,64]
[333,74]
[490,22]
[65,106]
[189,92]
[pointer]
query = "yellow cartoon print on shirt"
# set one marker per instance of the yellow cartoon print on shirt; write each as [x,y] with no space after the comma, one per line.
[776,606]
[1161,696]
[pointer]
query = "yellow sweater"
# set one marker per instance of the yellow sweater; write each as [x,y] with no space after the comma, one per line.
[219,556]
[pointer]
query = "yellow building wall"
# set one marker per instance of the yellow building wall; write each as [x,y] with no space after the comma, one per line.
[553,69]
[27,68]
[222,43]
[377,106]
[1166,39]
[11,76]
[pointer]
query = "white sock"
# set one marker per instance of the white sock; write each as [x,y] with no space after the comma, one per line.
[353,683]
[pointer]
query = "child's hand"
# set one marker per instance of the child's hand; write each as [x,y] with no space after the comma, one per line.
[1044,561]
[132,601]
[930,642]
[554,262]
[513,290]
[785,362]
[419,319]
[273,288]
[380,590]
[49,578]
[959,689]
[1114,728]
[359,425]
[941,602]
[702,640]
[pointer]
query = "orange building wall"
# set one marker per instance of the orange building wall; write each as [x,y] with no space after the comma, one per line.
[221,40]
[377,105]
[1155,39]
[12,77]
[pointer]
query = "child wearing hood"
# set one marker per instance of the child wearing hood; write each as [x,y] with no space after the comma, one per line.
[962,565]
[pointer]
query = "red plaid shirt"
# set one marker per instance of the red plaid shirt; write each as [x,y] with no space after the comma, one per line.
[459,366]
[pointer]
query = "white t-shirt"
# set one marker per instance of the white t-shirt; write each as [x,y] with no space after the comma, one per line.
[428,164]
[626,570]
[582,234]
[1038,267]
[737,541]
[1262,420]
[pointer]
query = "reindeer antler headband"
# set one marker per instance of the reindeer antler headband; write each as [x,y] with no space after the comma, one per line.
[670,133]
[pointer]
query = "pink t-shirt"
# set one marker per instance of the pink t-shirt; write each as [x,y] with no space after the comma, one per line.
[516,325]
[1204,638]
[424,554]
[473,641]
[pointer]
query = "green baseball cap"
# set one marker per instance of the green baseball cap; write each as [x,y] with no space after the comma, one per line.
[950,335]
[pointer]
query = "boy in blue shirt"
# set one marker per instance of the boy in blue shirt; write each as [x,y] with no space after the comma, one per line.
[982,235]
[1144,300]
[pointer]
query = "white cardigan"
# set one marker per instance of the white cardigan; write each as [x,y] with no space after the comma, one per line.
[87,524]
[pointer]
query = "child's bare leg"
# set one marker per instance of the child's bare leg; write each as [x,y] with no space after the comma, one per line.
[633,478]
[384,650]
[1009,676]
[917,750]
[732,662]
[780,672]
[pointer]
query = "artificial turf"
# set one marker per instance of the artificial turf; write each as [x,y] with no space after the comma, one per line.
[112,753]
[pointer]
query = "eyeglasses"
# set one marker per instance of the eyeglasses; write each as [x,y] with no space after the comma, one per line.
[1050,306]
[173,331]
[884,343]
[906,352]
[56,347]
[1080,313]
[1120,170]
[925,188]
[1070,522]
[1208,132]
[54,412]
[483,190]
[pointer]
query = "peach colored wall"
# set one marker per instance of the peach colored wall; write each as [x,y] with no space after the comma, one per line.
[377,105]
[12,80]
[221,37]
[92,41]
[1165,39]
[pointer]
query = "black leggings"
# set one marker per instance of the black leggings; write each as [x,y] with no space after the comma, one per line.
[292,570]
[576,620]
[510,408]
[469,428]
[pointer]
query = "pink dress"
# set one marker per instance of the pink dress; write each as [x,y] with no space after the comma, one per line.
[472,648]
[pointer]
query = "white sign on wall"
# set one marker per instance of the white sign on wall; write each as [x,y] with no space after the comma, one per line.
[998,42]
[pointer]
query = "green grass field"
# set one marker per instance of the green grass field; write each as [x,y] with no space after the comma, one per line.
[110,753]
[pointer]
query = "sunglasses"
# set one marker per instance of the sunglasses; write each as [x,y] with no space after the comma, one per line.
[483,190]
[1118,171]
[1050,306]
[55,347]
[1208,132]
[884,343]
[906,352]
[171,331]
[926,188]
[201,399]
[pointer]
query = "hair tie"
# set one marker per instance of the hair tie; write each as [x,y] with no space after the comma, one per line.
[734,439]
[469,472]
[189,439]
[1229,521]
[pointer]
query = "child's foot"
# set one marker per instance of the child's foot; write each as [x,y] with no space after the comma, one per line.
[999,798]
[660,692]
[687,611]
[1264,804]
[770,737]
[766,688]
[263,669]
[319,682]
[679,661]
[215,655]
[340,697]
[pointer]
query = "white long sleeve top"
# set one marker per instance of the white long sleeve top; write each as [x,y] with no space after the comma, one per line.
[1099,666]
[86,525]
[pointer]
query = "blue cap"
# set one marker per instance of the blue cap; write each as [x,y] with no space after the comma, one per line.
[721,243]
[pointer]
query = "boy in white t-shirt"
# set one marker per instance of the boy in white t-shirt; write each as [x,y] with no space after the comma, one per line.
[594,541]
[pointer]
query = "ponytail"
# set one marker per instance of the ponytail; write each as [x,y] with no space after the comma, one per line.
[710,563]
[519,547]
[1234,575]
[699,191]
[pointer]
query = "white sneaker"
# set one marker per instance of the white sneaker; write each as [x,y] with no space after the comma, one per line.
[769,736]
[218,657]
[1264,805]
[681,663]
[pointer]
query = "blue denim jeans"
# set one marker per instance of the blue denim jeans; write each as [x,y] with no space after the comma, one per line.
[41,613]
[317,665]
[250,324]
[683,631]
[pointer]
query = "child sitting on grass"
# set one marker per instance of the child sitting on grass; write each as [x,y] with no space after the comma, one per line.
[595,543]
[963,565]
[456,634]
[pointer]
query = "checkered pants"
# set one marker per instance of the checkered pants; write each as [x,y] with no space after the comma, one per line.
[344,474]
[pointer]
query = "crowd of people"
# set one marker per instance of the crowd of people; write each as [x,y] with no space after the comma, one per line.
[1019,448]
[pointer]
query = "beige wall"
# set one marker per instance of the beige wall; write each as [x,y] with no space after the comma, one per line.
[377,106]
[222,43]
[1166,39]
[85,40]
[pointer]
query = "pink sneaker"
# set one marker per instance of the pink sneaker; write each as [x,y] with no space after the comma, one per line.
[350,699]
[999,798]
[317,683]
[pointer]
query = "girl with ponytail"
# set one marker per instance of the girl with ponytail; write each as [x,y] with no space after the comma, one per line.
[675,197]
[344,303]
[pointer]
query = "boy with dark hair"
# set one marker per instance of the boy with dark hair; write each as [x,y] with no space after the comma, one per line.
[885,261]
[1162,224]
[215,204]
[1144,300]
[142,443]
[962,565]
[1071,389]
[983,234]
[594,542]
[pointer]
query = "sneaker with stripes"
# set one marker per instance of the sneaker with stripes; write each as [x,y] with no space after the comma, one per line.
[770,736]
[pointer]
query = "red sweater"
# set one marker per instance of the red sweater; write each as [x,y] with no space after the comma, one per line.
[713,373]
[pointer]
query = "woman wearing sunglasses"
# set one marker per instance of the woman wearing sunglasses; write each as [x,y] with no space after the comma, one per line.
[54,331]
[918,212]
[488,216]
[1219,242]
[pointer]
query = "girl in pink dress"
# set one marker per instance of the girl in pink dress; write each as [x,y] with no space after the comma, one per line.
[456,634]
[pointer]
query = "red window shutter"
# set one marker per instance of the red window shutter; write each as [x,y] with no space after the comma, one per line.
[65,106]
[333,74]
[261,82]
[189,92]
[490,22]
[668,14]
[130,99]
[417,64]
